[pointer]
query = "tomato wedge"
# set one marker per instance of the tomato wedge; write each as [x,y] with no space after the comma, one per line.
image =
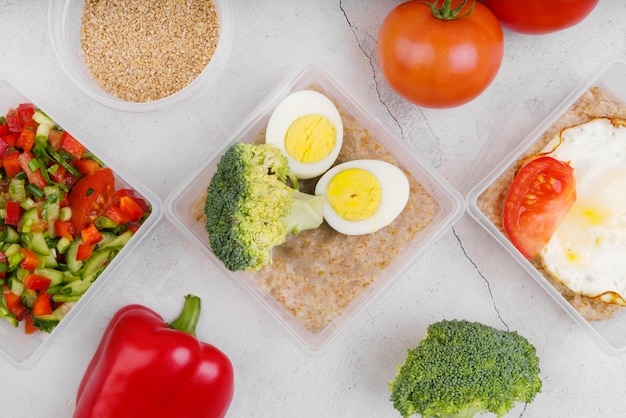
[90,197]
[541,194]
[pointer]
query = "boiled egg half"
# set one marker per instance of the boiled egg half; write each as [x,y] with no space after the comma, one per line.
[307,128]
[587,252]
[362,196]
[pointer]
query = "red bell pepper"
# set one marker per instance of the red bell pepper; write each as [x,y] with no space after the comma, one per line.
[144,367]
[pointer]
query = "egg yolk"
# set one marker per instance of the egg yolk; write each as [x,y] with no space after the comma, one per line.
[355,194]
[310,138]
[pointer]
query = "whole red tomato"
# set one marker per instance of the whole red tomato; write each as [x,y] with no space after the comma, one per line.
[536,17]
[442,54]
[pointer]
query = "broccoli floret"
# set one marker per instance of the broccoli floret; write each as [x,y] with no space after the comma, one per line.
[250,207]
[462,368]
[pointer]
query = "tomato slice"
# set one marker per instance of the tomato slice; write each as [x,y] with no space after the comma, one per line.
[541,194]
[90,198]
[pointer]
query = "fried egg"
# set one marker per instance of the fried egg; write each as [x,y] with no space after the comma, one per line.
[307,128]
[363,196]
[587,253]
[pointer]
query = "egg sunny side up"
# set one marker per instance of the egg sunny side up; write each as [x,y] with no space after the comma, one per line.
[586,253]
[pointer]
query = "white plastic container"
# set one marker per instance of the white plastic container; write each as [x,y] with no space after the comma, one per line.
[610,76]
[64,20]
[23,350]
[449,201]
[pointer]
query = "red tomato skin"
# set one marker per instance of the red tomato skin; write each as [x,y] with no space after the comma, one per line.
[90,198]
[541,194]
[439,63]
[537,17]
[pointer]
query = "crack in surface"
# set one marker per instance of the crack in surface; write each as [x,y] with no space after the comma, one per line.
[372,67]
[482,276]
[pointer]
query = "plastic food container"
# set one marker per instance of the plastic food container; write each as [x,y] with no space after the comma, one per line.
[64,20]
[23,350]
[449,204]
[610,77]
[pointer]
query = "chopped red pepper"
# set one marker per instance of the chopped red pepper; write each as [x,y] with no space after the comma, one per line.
[26,140]
[29,324]
[30,260]
[36,282]
[90,235]
[116,215]
[131,208]
[14,303]
[4,129]
[13,213]
[84,252]
[71,145]
[42,305]
[11,164]
[178,376]
[86,166]
[63,229]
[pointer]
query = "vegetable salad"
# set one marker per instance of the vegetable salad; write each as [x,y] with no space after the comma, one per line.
[62,220]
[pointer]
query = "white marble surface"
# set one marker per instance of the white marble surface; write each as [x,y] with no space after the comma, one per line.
[465,274]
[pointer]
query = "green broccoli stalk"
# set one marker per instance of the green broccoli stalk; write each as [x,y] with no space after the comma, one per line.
[250,207]
[462,368]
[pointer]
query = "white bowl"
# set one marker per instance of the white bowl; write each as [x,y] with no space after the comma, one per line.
[64,20]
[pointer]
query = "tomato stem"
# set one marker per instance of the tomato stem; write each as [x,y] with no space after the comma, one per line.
[446,12]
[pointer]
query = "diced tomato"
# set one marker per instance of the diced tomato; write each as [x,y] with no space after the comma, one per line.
[86,166]
[90,235]
[25,112]
[54,139]
[36,282]
[13,213]
[131,193]
[131,208]
[11,139]
[13,120]
[63,229]
[84,252]
[90,197]
[11,164]
[26,140]
[42,305]
[71,145]
[4,129]
[34,177]
[29,324]
[58,174]
[30,260]
[116,215]
[4,146]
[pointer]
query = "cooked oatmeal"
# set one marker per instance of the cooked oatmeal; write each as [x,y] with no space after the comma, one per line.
[594,103]
[316,274]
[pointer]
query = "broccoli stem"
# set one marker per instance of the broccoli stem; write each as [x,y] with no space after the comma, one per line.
[306,212]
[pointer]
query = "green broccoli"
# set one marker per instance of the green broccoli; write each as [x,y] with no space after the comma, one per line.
[462,368]
[250,207]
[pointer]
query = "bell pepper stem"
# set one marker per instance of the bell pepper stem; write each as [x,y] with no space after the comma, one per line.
[188,318]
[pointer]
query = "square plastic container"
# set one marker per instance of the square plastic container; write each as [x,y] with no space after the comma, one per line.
[449,202]
[23,350]
[64,23]
[610,77]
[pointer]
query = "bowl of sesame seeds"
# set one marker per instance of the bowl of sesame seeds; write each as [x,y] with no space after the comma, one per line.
[141,55]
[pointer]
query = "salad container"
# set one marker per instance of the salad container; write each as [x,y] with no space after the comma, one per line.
[610,78]
[449,203]
[23,350]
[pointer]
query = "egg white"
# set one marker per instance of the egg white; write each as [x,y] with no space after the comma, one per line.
[587,253]
[395,195]
[294,106]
